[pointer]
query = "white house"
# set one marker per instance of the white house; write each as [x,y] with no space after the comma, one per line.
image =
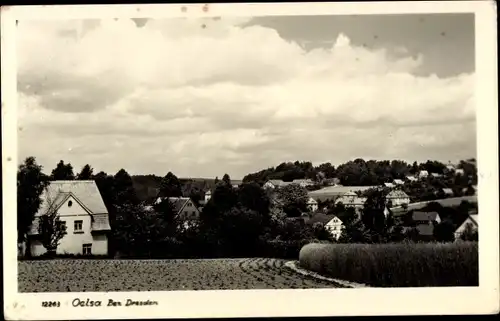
[312,205]
[390,185]
[334,226]
[351,199]
[448,191]
[472,220]
[398,181]
[398,198]
[423,174]
[208,196]
[81,208]
[459,171]
[411,178]
[275,183]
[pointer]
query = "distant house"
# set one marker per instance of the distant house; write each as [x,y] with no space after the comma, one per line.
[331,223]
[411,178]
[208,196]
[81,209]
[447,191]
[351,199]
[398,181]
[472,221]
[334,226]
[398,198]
[459,171]
[436,175]
[183,206]
[312,204]
[303,182]
[275,183]
[390,185]
[450,167]
[423,174]
[236,183]
[425,218]
[425,223]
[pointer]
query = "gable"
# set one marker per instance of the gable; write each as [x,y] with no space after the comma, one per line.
[71,206]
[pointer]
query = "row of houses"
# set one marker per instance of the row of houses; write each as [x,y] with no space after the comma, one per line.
[424,222]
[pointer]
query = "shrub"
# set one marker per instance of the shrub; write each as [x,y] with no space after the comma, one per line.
[396,264]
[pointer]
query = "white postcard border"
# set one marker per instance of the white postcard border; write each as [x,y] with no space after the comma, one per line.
[256,303]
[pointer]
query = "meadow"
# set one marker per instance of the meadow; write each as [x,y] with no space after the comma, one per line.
[396,265]
[80,275]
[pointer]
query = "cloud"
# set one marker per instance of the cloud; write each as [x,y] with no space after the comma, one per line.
[208,96]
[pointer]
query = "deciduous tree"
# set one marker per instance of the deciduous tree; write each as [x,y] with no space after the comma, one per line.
[62,172]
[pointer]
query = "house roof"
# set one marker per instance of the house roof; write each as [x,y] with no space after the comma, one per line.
[411,178]
[423,172]
[397,194]
[311,201]
[425,229]
[436,174]
[475,218]
[389,184]
[319,217]
[177,202]
[351,198]
[447,191]
[398,181]
[84,191]
[298,181]
[425,216]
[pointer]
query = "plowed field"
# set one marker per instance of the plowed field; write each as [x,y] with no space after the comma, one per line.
[161,275]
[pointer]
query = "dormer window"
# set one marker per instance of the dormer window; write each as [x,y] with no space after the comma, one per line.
[70,203]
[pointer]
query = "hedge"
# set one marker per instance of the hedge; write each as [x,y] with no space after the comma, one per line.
[396,264]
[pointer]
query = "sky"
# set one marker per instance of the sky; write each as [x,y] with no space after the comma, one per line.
[205,97]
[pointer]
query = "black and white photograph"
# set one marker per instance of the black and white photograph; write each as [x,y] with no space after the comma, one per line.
[279,149]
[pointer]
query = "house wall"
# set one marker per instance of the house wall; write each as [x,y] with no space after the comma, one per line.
[462,227]
[334,227]
[72,242]
[398,201]
[189,211]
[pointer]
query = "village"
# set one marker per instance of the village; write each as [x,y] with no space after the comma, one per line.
[79,205]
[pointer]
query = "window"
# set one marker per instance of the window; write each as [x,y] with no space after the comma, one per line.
[78,227]
[87,249]
[70,203]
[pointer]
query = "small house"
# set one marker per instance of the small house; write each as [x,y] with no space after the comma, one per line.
[390,185]
[81,209]
[423,174]
[411,178]
[312,204]
[471,221]
[398,198]
[448,192]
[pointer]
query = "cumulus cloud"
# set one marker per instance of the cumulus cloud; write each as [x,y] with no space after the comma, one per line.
[208,96]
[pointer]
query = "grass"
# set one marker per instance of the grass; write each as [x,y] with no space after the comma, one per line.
[396,265]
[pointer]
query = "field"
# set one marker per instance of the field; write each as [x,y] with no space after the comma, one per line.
[396,265]
[72,275]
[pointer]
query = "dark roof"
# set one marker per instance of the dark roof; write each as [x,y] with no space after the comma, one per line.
[425,229]
[424,216]
[319,217]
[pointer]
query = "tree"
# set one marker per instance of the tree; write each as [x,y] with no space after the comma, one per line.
[168,215]
[86,173]
[62,172]
[253,197]
[51,229]
[138,231]
[31,183]
[294,199]
[226,179]
[124,188]
[170,186]
[373,214]
[444,232]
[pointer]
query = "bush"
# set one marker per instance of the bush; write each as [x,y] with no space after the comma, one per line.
[396,264]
